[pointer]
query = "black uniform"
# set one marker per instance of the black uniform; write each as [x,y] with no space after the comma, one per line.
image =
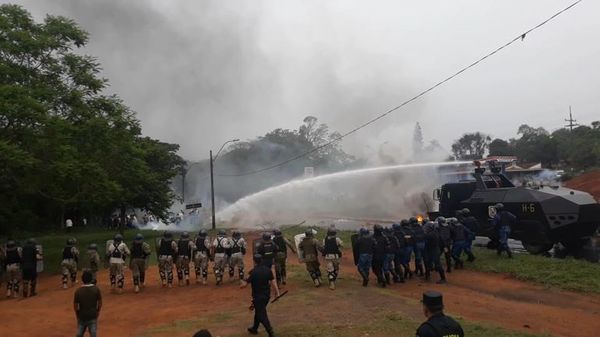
[380,250]
[432,254]
[446,245]
[29,266]
[267,249]
[398,257]
[440,325]
[260,278]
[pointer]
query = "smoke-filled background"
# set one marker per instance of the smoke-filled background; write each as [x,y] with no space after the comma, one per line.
[200,73]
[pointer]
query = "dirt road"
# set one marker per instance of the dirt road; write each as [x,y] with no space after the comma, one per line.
[487,298]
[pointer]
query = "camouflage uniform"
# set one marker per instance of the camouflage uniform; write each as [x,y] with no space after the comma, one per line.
[201,256]
[93,260]
[332,251]
[117,252]
[14,258]
[185,248]
[70,257]
[238,250]
[220,245]
[167,248]
[281,256]
[309,251]
[140,251]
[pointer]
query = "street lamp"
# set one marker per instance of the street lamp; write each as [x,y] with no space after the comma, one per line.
[212,181]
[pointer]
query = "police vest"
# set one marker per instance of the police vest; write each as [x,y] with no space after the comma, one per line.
[408,232]
[12,256]
[445,234]
[399,234]
[506,218]
[281,246]
[137,250]
[471,223]
[68,253]
[236,247]
[331,246]
[381,245]
[200,244]
[267,250]
[116,252]
[165,247]
[184,248]
[220,249]
[418,233]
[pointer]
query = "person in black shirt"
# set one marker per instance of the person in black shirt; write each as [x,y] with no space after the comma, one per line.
[437,324]
[261,279]
[31,256]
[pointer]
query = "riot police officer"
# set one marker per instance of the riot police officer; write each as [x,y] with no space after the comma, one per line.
[14,255]
[184,256]
[70,257]
[472,225]
[238,250]
[202,256]
[390,255]
[364,248]
[437,324]
[309,249]
[399,255]
[503,221]
[30,256]
[445,233]
[117,253]
[167,249]
[381,248]
[221,246]
[409,247]
[140,251]
[432,252]
[281,256]
[459,238]
[332,252]
[267,249]
[419,239]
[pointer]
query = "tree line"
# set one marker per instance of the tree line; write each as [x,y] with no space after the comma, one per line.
[577,149]
[67,149]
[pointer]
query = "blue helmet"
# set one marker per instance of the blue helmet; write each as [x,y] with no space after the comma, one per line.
[364,231]
[396,226]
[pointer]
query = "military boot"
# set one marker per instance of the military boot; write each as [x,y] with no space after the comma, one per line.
[471,257]
[25,289]
[33,286]
[387,279]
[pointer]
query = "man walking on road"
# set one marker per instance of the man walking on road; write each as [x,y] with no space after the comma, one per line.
[87,304]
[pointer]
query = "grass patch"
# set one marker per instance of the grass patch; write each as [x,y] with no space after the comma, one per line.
[568,274]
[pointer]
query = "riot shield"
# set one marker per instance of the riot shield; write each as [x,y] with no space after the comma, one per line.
[106,253]
[297,239]
[354,240]
[40,263]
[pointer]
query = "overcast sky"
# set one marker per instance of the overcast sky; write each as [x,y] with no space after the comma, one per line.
[199,73]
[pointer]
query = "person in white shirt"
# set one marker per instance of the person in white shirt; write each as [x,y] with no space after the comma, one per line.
[69,225]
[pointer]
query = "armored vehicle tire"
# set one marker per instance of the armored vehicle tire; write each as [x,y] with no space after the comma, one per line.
[536,248]
[585,248]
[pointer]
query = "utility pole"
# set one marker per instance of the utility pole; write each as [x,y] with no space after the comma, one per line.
[572,122]
[212,192]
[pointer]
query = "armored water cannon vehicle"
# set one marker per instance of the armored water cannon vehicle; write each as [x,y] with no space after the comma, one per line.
[546,215]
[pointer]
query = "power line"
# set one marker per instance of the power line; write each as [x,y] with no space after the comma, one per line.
[414,98]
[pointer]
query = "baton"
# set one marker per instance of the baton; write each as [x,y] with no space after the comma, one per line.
[278,297]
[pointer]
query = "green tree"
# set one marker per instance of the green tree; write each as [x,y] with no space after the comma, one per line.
[500,147]
[471,146]
[67,148]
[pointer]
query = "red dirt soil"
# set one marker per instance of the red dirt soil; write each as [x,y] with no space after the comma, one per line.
[588,182]
[479,297]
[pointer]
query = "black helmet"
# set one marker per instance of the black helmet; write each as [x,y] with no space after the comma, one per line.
[118,237]
[222,232]
[440,220]
[499,206]
[308,233]
[266,236]
[331,232]
[139,237]
[236,234]
[93,246]
[429,226]
[404,222]
[466,211]
[277,232]
[396,226]
[452,221]
[185,235]
[364,231]
[167,235]
[377,228]
[413,220]
[11,244]
[203,233]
